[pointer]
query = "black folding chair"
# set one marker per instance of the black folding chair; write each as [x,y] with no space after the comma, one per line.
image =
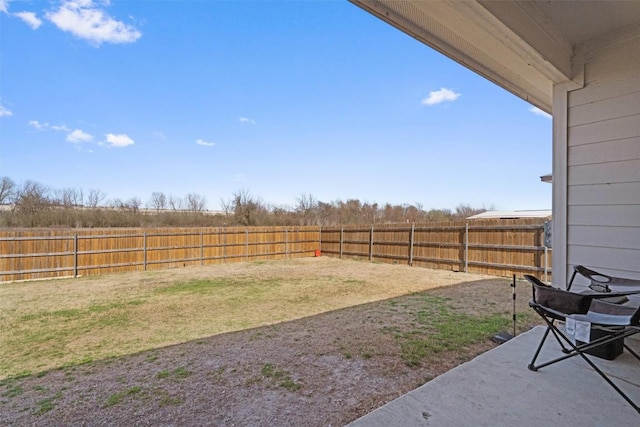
[600,282]
[613,323]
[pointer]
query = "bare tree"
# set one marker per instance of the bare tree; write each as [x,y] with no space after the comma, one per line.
[412,214]
[158,201]
[175,203]
[94,198]
[326,213]
[227,206]
[7,190]
[196,202]
[246,208]
[69,197]
[32,204]
[134,204]
[350,211]
[464,211]
[32,200]
[369,213]
[307,209]
[32,194]
[438,215]
[130,205]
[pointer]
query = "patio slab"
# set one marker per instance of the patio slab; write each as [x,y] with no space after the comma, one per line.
[496,389]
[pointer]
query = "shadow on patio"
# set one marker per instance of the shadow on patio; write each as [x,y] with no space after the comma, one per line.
[496,389]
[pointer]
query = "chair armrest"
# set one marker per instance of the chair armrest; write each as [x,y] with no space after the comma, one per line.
[608,314]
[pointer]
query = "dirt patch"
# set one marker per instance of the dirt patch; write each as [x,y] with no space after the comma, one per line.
[322,370]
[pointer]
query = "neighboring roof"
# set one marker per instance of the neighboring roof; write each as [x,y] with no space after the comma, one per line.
[543,213]
[547,178]
[526,47]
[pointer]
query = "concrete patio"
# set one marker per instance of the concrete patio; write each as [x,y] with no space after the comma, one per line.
[496,389]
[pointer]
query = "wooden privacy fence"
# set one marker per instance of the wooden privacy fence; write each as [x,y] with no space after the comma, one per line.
[37,253]
[494,247]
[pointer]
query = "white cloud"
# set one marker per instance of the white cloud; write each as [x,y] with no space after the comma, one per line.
[247,121]
[87,21]
[79,136]
[539,112]
[4,6]
[120,140]
[75,136]
[30,18]
[439,96]
[205,143]
[5,112]
[61,128]
[45,125]
[36,124]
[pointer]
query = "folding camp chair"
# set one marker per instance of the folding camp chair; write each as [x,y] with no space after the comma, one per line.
[601,282]
[612,322]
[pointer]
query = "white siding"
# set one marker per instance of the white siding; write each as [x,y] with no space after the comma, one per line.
[605,152]
[621,193]
[605,173]
[605,130]
[605,236]
[603,162]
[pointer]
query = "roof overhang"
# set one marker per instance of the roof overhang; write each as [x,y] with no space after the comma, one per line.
[541,213]
[526,47]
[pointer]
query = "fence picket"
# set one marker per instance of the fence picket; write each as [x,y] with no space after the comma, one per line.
[496,248]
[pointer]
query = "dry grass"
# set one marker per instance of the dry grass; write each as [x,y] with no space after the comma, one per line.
[383,331]
[48,324]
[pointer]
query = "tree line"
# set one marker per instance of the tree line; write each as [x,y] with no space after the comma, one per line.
[32,204]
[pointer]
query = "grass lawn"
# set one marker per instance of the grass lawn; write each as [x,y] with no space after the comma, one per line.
[54,323]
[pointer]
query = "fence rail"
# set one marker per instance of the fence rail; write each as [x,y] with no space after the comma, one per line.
[36,254]
[498,248]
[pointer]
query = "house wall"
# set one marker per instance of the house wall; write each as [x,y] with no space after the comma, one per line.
[603,160]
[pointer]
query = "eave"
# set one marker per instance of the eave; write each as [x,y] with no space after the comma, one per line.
[509,43]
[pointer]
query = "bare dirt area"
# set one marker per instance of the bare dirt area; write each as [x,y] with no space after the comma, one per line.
[324,369]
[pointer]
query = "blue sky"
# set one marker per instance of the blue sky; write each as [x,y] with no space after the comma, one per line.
[279,98]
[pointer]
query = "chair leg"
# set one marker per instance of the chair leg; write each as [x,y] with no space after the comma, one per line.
[562,346]
[573,276]
[611,383]
[579,350]
[631,351]
[551,327]
[532,366]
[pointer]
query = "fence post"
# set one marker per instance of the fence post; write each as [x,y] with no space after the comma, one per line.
[286,243]
[75,255]
[246,243]
[201,247]
[144,251]
[224,246]
[411,237]
[466,247]
[371,244]
[542,266]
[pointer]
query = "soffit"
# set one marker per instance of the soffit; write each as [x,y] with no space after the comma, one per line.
[582,21]
[524,46]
